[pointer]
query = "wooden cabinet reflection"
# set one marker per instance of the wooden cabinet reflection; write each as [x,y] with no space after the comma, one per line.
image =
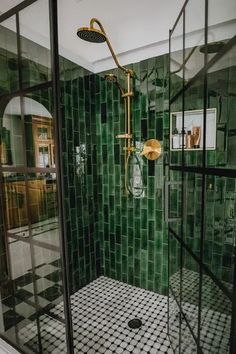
[42,202]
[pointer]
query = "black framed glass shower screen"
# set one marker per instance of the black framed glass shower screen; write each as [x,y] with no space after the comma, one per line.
[33,273]
[202,183]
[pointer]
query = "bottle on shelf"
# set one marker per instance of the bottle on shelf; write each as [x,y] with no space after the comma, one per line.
[175,139]
[189,143]
[182,140]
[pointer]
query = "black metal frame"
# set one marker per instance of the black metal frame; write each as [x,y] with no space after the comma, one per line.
[203,171]
[5,98]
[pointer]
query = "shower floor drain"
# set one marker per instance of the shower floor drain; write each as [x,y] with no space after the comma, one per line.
[135,323]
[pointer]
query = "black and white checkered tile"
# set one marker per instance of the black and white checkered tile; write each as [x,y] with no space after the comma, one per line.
[21,306]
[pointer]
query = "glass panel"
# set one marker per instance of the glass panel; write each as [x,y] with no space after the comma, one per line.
[194,38]
[176,58]
[215,318]
[192,211]
[3,261]
[174,266]
[176,131]
[39,129]
[51,332]
[45,238]
[174,323]
[35,44]
[219,229]
[221,24]
[11,147]
[174,195]
[193,124]
[188,344]
[221,97]
[15,205]
[9,79]
[17,308]
[190,291]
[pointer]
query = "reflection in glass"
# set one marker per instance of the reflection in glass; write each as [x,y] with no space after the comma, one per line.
[217,32]
[190,291]
[194,38]
[43,208]
[15,205]
[188,344]
[9,78]
[193,98]
[17,295]
[215,318]
[174,323]
[174,198]
[35,44]
[39,129]
[176,58]
[11,147]
[192,211]
[222,96]
[175,134]
[174,266]
[220,226]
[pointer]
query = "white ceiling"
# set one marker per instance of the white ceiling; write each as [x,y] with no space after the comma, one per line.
[137,29]
[130,25]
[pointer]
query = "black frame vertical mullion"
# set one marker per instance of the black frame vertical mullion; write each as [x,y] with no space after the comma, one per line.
[203,194]
[59,167]
[182,185]
[168,175]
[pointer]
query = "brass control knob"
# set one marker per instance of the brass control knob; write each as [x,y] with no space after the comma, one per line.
[151,149]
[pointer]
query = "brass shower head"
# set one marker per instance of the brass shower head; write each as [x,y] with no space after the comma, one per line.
[91,35]
[94,35]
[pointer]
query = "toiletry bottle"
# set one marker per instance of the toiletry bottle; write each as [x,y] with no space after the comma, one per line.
[175,139]
[196,137]
[189,143]
[182,139]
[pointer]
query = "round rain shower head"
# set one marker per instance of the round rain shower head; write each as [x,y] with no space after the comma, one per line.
[91,35]
[111,78]
[212,48]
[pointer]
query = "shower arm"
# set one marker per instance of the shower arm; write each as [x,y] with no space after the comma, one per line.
[127,71]
[127,99]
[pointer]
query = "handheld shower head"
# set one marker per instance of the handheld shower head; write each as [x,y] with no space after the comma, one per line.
[111,78]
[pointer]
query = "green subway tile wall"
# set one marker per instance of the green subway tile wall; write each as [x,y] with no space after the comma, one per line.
[80,172]
[132,232]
